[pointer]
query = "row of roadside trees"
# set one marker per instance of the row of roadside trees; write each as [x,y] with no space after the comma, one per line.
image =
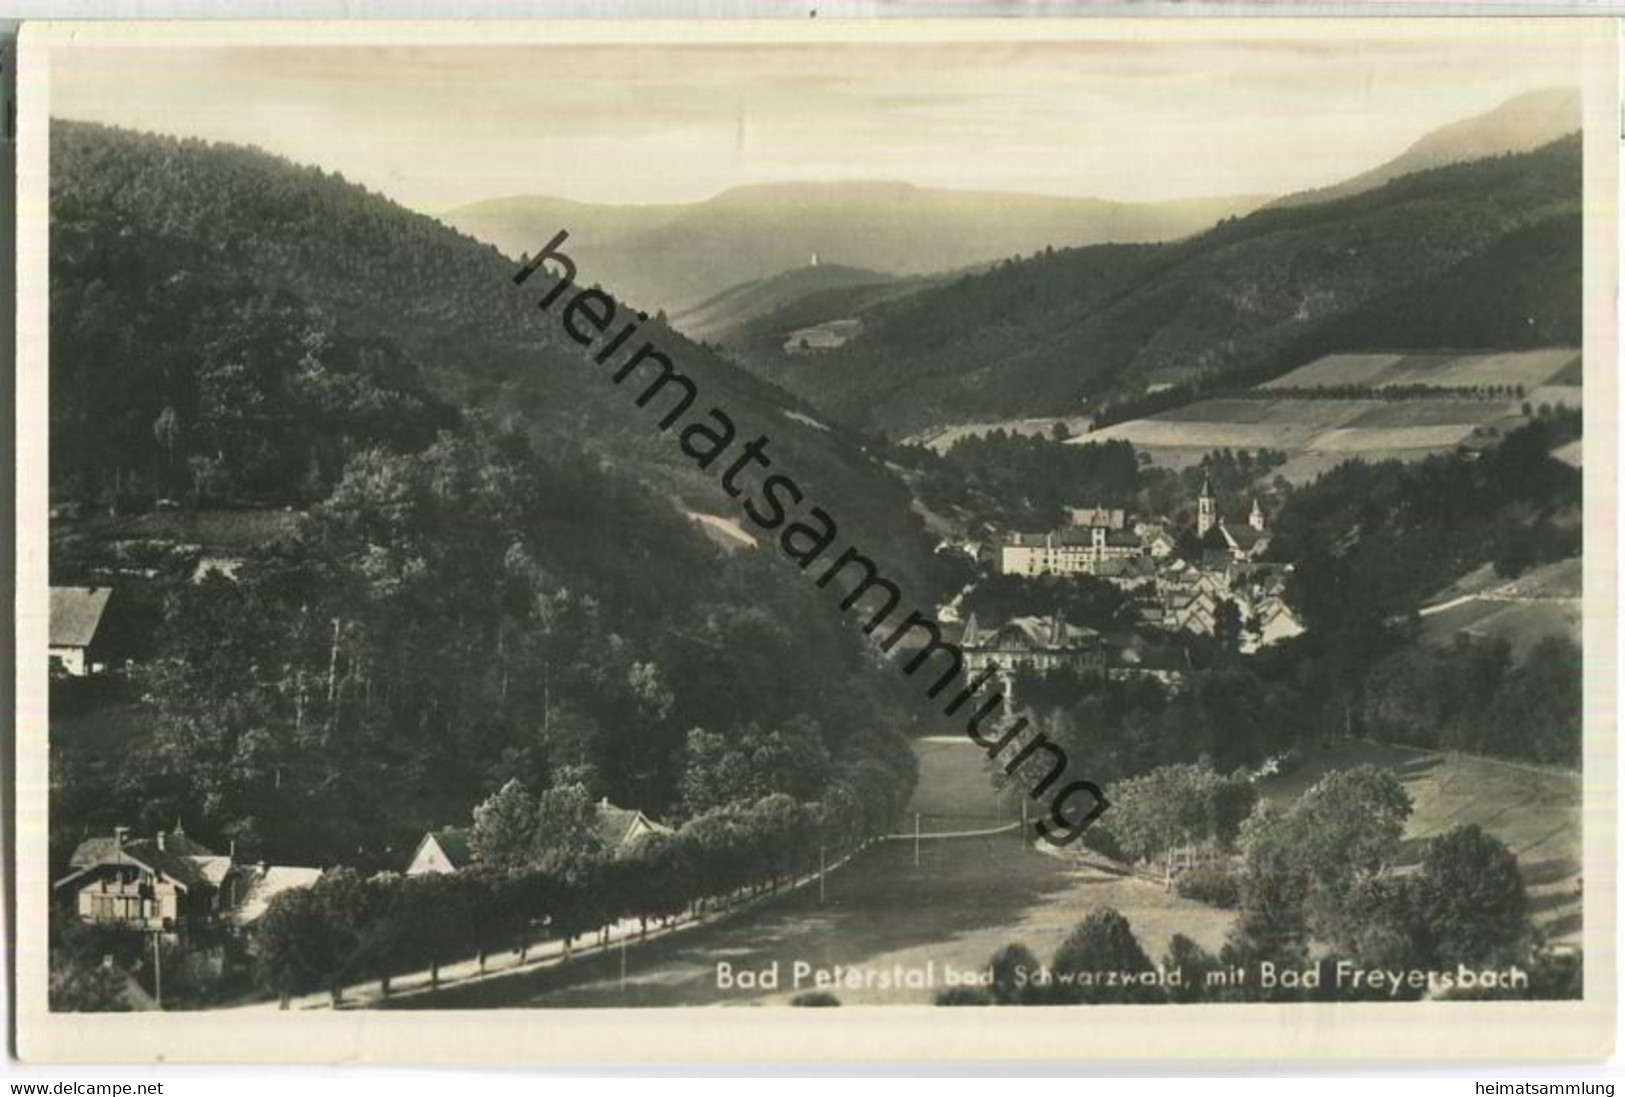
[347,928]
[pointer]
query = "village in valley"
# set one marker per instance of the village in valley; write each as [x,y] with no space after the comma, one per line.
[1169,594]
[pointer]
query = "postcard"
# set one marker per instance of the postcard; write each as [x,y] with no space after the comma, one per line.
[1061,539]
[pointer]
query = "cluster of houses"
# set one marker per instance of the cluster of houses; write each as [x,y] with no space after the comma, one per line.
[172,884]
[1170,594]
[1102,542]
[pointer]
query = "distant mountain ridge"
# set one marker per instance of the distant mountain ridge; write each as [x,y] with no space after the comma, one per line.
[1521,124]
[1484,253]
[674,257]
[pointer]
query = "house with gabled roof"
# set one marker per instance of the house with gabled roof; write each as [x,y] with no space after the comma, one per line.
[167,883]
[448,849]
[443,850]
[78,630]
[620,828]
[1034,643]
[266,882]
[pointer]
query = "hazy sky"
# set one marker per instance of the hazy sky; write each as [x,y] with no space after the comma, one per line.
[437,126]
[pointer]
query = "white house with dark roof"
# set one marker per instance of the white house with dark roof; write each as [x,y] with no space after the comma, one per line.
[78,630]
[443,850]
[448,849]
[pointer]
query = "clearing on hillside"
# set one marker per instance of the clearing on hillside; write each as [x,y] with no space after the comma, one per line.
[1542,602]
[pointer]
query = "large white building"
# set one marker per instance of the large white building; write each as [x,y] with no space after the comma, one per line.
[1091,536]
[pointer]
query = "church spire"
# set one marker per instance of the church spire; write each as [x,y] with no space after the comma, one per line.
[1207,509]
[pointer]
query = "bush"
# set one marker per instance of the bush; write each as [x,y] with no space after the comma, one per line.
[1214,885]
[815,998]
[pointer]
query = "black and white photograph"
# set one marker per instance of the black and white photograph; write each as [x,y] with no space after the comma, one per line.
[1089,519]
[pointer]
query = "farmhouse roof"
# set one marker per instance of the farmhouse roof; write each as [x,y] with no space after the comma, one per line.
[269,882]
[1243,537]
[453,842]
[615,825]
[1028,633]
[95,850]
[1098,516]
[147,855]
[76,614]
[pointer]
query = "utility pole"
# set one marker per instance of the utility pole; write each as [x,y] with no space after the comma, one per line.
[623,960]
[157,971]
[916,839]
[820,875]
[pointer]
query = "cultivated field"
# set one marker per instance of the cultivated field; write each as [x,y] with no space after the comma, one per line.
[1530,368]
[1315,434]
[1535,810]
[1318,434]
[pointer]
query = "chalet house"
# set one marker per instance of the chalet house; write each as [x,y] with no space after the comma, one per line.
[168,883]
[79,633]
[1034,643]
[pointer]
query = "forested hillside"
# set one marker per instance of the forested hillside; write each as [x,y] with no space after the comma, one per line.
[1062,331]
[209,281]
[492,584]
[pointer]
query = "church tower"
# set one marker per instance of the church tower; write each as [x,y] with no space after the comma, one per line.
[1256,518]
[1207,509]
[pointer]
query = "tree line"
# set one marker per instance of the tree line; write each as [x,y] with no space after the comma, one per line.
[348,928]
[1385,392]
